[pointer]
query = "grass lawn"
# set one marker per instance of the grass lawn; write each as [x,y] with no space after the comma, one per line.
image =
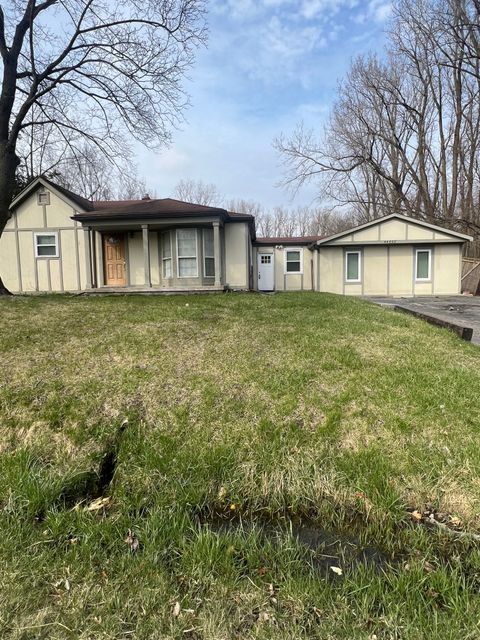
[264,451]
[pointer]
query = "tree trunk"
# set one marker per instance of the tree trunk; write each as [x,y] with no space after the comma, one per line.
[3,289]
[8,166]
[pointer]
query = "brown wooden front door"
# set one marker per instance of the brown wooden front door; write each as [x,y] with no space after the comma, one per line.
[114,258]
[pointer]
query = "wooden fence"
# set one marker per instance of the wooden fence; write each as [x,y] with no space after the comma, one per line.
[471,276]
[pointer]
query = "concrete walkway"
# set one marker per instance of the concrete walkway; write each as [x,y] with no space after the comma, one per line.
[462,310]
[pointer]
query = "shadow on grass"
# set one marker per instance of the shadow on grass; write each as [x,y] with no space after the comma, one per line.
[92,484]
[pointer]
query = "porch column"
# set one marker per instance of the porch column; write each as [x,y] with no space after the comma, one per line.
[217,254]
[93,235]
[146,255]
[88,257]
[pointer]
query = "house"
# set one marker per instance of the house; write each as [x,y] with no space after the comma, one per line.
[57,241]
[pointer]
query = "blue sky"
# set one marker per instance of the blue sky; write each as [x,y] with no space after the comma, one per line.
[269,64]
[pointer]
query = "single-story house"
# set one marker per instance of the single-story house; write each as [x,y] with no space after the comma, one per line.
[58,241]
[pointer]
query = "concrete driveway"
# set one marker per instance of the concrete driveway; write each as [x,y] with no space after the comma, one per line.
[462,310]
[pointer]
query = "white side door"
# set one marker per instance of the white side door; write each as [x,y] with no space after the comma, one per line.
[266,272]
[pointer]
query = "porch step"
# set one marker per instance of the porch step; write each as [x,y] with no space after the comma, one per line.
[150,291]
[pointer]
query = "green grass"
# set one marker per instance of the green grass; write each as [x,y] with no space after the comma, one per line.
[249,417]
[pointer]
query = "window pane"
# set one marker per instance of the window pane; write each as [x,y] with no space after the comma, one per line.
[45,240]
[208,242]
[167,268]
[46,251]
[187,245]
[293,267]
[352,266]
[293,256]
[422,264]
[209,267]
[187,267]
[166,246]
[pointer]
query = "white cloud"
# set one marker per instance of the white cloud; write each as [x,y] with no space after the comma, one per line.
[269,64]
[380,10]
[377,11]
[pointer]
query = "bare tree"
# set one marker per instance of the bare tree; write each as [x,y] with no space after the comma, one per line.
[96,178]
[285,222]
[403,135]
[94,71]
[198,192]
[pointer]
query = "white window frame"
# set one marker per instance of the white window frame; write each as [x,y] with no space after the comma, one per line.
[35,244]
[205,254]
[429,277]
[353,280]
[187,257]
[164,259]
[285,253]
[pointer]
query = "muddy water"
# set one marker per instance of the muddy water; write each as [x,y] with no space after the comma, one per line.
[325,551]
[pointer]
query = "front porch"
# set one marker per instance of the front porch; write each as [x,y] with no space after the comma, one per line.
[155,257]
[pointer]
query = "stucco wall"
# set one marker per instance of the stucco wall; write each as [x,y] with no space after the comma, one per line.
[394,231]
[21,270]
[331,269]
[287,281]
[389,270]
[401,270]
[447,265]
[375,275]
[236,255]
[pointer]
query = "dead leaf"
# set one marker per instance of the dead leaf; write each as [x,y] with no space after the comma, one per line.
[455,522]
[176,609]
[416,516]
[428,567]
[99,503]
[336,570]
[264,616]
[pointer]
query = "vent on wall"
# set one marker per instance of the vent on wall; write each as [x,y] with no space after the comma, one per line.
[43,196]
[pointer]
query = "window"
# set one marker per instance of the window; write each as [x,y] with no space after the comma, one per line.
[293,260]
[422,264]
[43,197]
[46,245]
[166,255]
[187,253]
[352,266]
[208,253]
[265,259]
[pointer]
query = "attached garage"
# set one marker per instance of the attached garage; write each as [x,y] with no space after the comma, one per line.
[392,256]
